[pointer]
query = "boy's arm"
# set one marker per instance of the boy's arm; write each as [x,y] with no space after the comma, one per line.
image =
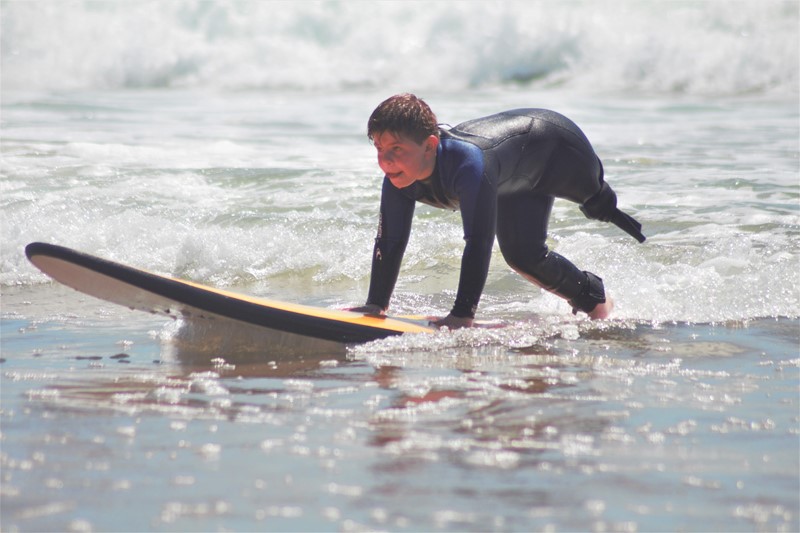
[394,229]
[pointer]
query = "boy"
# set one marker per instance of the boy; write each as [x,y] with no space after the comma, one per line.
[502,172]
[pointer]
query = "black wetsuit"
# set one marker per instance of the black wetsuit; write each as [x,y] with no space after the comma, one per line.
[503,173]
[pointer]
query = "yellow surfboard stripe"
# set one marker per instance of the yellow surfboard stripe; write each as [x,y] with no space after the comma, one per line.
[321,312]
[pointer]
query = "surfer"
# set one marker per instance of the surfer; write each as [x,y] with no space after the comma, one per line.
[503,173]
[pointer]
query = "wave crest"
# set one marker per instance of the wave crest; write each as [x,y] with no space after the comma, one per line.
[696,48]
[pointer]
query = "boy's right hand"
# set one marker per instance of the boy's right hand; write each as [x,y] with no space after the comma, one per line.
[368,309]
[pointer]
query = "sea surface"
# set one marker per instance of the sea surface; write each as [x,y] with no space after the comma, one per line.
[225,143]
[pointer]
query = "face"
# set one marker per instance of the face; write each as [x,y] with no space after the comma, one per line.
[404,161]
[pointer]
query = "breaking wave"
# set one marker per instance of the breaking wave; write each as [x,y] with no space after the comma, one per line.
[716,48]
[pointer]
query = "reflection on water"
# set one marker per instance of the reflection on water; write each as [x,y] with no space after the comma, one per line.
[621,426]
[195,343]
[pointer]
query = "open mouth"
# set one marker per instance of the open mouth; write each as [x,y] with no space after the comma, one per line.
[400,180]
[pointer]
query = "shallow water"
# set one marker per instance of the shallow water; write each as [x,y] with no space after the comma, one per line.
[211,157]
[118,421]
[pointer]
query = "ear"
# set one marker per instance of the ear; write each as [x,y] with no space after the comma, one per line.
[431,143]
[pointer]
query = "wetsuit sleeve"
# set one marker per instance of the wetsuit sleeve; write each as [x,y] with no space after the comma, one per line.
[394,229]
[478,202]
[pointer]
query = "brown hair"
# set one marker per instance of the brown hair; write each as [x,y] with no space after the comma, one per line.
[405,115]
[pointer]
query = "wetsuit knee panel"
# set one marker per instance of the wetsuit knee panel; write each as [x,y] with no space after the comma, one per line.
[524,257]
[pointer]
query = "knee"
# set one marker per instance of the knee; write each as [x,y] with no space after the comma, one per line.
[524,259]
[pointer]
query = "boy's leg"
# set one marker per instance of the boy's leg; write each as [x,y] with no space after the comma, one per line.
[521,233]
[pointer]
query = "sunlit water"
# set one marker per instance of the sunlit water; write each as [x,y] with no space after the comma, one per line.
[114,422]
[680,413]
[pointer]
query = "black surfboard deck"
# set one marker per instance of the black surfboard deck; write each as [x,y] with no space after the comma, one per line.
[146,291]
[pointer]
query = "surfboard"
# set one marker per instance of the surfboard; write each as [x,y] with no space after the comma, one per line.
[146,291]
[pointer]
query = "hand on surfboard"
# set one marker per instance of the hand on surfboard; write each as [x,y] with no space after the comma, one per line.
[449,322]
[452,322]
[368,309]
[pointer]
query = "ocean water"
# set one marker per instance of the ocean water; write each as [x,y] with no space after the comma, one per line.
[224,142]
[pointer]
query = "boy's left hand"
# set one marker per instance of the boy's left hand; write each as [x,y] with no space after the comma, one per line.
[453,322]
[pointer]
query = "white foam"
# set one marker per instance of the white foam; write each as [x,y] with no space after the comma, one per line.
[279,198]
[698,48]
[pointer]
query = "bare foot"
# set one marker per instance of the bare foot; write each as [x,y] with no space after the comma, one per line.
[603,310]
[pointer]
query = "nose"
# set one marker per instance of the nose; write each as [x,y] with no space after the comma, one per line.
[385,160]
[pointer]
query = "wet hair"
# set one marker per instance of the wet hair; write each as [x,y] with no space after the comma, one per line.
[404,115]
